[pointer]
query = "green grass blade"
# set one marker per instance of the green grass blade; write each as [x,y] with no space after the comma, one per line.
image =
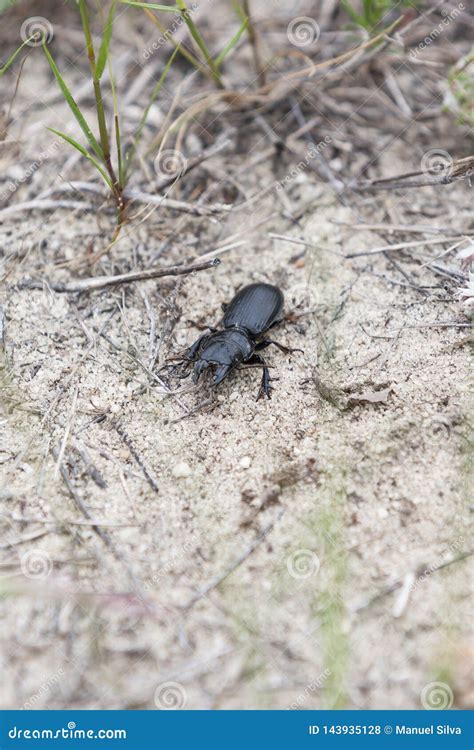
[84,152]
[239,10]
[151,6]
[231,44]
[74,107]
[105,44]
[156,91]
[154,94]
[182,49]
[118,135]
[118,143]
[88,36]
[13,57]
[196,35]
[359,20]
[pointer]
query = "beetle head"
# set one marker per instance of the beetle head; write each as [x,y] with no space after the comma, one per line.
[220,371]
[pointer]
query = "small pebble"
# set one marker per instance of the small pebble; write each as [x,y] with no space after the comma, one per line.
[245,462]
[181,471]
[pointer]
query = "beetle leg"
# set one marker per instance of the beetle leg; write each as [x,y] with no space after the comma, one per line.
[177,369]
[265,387]
[266,342]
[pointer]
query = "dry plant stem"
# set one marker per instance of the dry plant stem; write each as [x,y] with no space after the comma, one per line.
[394,587]
[401,246]
[255,41]
[44,205]
[130,195]
[74,495]
[237,563]
[273,91]
[190,208]
[409,228]
[194,162]
[103,535]
[460,169]
[101,282]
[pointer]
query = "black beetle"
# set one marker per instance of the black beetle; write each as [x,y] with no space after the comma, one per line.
[252,312]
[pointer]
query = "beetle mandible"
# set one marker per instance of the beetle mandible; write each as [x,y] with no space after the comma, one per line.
[251,313]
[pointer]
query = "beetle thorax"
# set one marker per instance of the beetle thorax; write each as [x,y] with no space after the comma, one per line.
[228,347]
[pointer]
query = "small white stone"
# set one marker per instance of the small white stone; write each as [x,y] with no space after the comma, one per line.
[181,471]
[234,396]
[245,462]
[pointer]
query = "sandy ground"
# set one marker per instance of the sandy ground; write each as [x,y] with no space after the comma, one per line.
[206,549]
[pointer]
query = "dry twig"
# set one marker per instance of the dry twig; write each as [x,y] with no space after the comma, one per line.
[101,282]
